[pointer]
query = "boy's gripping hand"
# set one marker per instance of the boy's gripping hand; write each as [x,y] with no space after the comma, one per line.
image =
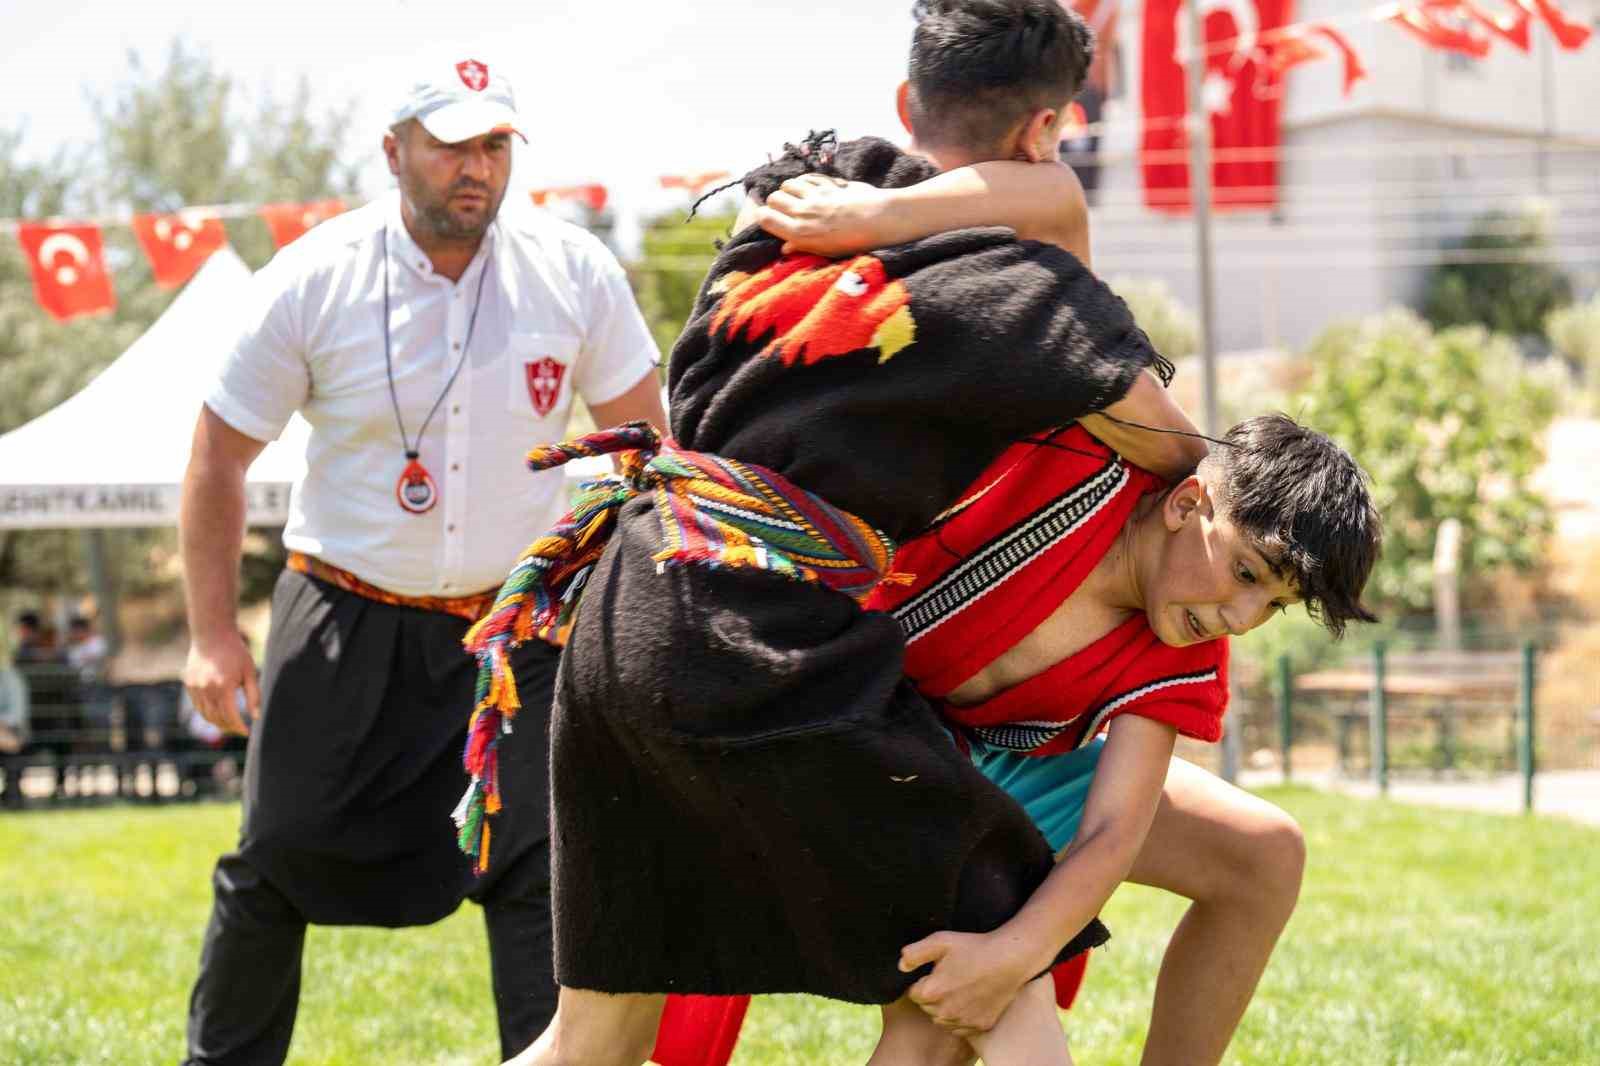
[975,976]
[827,216]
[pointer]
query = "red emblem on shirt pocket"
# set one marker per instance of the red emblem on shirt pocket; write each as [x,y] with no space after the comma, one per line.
[544,383]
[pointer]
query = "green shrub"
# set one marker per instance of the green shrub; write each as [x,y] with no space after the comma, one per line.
[1502,283]
[674,255]
[1575,333]
[1448,425]
[1173,328]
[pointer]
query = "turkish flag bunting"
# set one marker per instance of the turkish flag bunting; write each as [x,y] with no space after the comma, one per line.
[693,182]
[1239,92]
[594,197]
[1354,71]
[1569,33]
[1291,50]
[177,245]
[1511,27]
[1425,24]
[288,222]
[69,269]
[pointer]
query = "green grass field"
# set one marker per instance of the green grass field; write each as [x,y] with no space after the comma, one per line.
[1422,937]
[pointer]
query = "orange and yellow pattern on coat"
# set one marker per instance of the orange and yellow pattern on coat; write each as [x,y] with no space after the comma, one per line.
[814,309]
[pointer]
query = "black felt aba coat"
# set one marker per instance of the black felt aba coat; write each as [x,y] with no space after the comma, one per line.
[747,796]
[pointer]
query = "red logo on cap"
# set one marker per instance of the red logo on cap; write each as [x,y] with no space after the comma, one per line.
[544,383]
[474,75]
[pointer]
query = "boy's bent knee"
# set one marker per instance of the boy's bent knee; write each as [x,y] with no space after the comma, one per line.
[1277,858]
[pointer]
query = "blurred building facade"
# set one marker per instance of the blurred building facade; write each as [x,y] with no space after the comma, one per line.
[1375,185]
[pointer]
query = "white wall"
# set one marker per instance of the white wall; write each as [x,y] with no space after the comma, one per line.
[1508,92]
[1373,185]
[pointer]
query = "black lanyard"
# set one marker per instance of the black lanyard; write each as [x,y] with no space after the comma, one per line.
[388,361]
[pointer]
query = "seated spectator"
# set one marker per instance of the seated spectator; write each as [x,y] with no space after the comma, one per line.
[33,641]
[55,713]
[87,650]
[89,654]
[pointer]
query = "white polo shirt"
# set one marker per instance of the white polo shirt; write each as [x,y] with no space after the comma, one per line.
[556,316]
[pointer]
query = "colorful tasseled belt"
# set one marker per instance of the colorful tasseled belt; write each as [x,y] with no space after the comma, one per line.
[471,607]
[714,512]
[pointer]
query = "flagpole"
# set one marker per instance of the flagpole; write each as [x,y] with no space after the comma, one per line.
[1198,123]
[1546,110]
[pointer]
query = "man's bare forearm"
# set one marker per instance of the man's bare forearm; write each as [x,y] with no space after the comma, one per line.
[211,532]
[211,518]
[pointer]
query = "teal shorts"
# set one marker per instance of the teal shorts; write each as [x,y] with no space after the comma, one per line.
[1051,788]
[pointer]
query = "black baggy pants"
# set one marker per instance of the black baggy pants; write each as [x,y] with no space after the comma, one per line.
[352,772]
[243,1007]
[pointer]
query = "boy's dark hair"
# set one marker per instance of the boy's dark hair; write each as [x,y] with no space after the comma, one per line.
[1307,505]
[978,67]
[30,619]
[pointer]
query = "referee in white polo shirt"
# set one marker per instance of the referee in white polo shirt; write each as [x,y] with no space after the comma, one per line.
[430,342]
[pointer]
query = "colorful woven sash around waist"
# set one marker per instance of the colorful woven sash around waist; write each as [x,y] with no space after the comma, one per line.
[713,511]
[471,607]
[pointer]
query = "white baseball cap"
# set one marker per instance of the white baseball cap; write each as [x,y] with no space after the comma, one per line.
[461,101]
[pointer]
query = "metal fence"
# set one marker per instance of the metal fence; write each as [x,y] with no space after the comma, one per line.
[88,742]
[1501,709]
[1453,714]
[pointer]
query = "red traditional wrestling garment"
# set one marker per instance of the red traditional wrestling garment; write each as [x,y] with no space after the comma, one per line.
[1001,561]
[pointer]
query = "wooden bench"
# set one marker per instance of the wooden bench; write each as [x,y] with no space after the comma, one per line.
[1443,688]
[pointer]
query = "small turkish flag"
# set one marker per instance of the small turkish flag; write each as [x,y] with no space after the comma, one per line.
[1290,51]
[1354,71]
[1426,23]
[177,245]
[693,182]
[1569,33]
[69,269]
[1293,47]
[1511,27]
[594,197]
[290,221]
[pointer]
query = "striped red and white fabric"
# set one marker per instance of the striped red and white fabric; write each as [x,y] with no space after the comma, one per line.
[997,564]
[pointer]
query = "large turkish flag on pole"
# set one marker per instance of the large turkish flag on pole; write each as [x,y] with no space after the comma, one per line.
[178,245]
[1239,90]
[69,269]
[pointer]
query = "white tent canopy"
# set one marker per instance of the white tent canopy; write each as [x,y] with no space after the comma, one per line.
[114,454]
